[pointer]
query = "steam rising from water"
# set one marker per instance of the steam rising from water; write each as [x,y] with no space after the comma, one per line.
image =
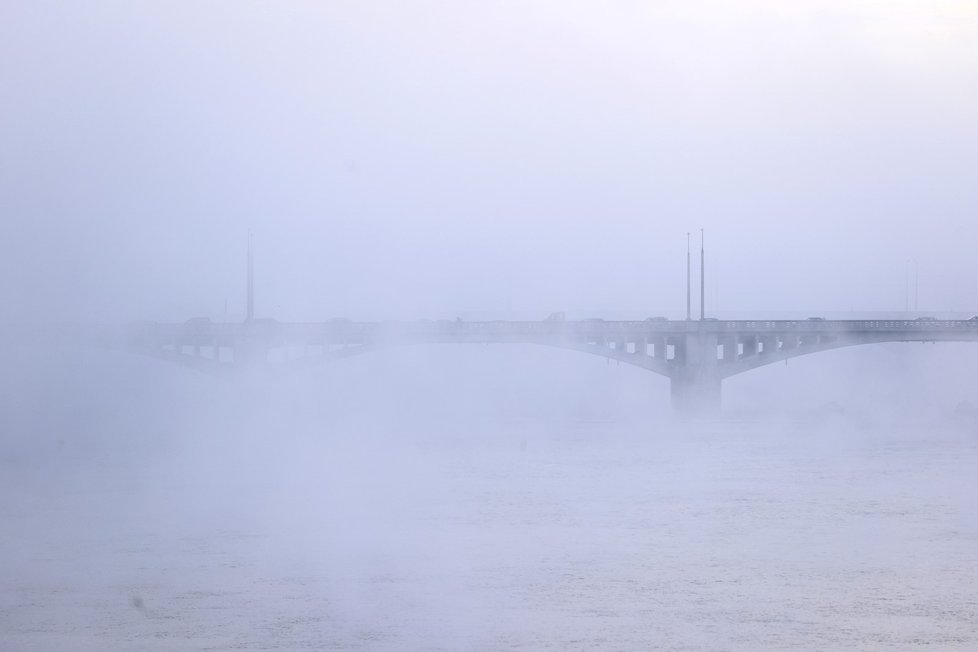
[425,159]
[188,513]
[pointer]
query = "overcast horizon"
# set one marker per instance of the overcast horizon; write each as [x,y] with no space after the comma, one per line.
[424,158]
[492,159]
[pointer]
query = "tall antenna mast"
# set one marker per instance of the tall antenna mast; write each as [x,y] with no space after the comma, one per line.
[251,281]
[916,284]
[702,278]
[689,289]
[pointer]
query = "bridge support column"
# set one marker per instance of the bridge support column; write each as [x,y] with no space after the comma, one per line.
[250,352]
[696,382]
[750,347]
[659,348]
[696,396]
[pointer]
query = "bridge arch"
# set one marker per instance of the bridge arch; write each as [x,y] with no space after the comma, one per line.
[695,355]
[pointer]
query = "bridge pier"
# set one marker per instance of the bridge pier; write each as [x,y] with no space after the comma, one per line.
[696,384]
[696,397]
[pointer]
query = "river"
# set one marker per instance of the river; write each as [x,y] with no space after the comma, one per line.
[139,527]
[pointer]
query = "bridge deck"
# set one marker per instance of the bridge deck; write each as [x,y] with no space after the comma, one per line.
[509,331]
[695,355]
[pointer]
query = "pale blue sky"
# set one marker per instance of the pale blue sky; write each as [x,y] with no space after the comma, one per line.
[422,158]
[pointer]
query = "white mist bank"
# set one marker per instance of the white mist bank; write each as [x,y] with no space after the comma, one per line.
[350,510]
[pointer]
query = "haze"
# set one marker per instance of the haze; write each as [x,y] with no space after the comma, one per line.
[486,160]
[417,159]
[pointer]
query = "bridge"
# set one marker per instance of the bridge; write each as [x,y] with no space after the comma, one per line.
[696,355]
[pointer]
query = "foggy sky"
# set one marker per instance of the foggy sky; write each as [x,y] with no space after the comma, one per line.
[419,159]
[412,159]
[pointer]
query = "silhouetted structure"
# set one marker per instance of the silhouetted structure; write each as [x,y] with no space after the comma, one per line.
[695,355]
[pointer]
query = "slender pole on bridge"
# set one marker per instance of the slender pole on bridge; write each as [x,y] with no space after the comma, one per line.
[912,302]
[689,289]
[702,279]
[906,288]
[251,281]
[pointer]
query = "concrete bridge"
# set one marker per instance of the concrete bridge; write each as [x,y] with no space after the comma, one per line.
[696,355]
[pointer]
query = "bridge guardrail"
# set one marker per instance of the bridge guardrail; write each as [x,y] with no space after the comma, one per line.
[343,330]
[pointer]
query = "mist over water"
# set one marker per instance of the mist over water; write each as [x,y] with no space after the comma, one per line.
[429,160]
[448,498]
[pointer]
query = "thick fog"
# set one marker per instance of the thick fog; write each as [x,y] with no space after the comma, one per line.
[486,161]
[421,158]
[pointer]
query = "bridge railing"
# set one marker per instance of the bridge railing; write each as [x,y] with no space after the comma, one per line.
[344,331]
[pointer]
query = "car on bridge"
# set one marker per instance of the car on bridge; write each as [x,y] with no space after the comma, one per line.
[263,326]
[196,326]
